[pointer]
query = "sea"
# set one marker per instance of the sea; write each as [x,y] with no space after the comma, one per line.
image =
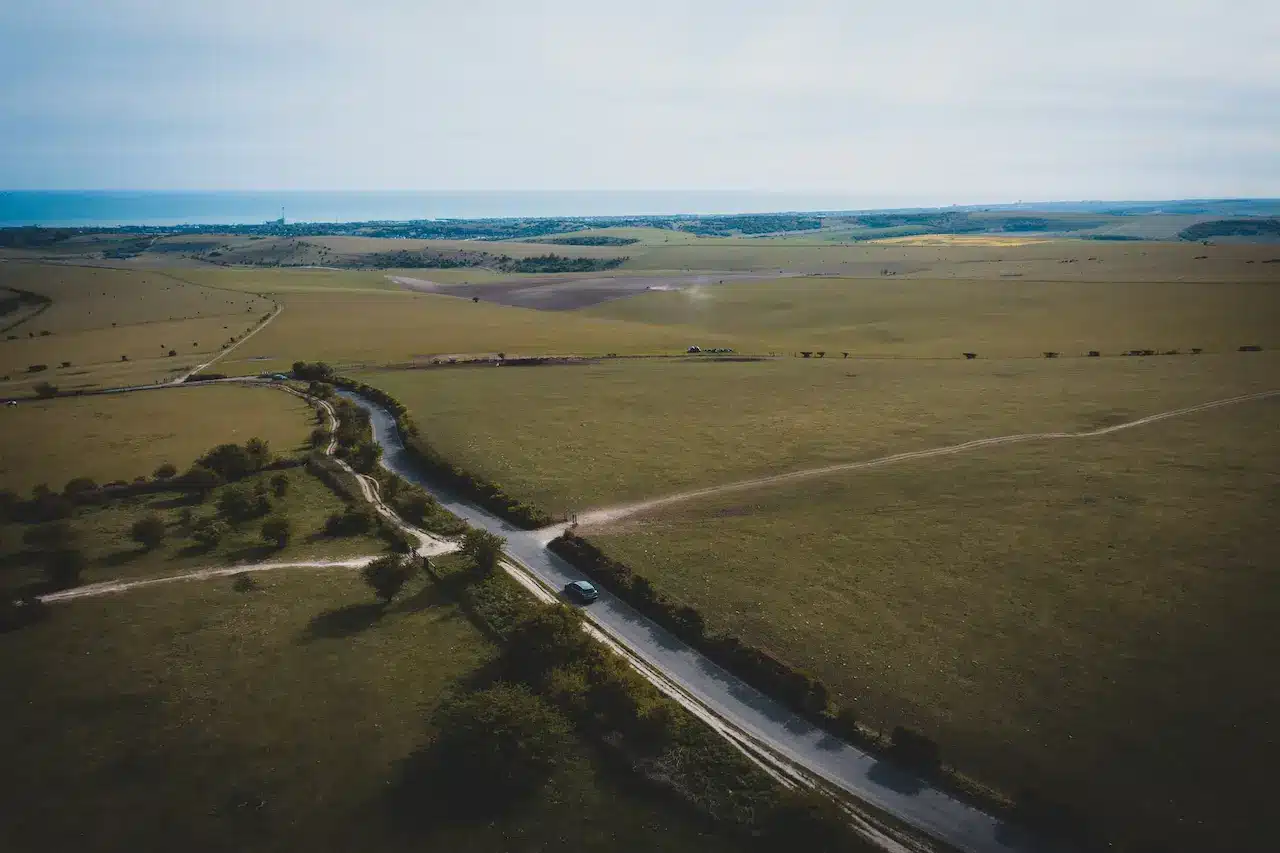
[114,208]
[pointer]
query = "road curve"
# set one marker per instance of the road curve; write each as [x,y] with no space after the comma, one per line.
[751,714]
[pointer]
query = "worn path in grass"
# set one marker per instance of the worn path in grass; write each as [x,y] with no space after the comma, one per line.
[607,515]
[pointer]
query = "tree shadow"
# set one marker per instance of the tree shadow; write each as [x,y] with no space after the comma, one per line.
[343,622]
[251,553]
[183,499]
[895,778]
[121,556]
[431,595]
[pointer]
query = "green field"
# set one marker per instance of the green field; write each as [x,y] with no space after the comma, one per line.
[622,430]
[120,437]
[931,317]
[1095,619]
[195,717]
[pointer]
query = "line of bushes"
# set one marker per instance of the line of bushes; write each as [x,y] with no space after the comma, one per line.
[429,460]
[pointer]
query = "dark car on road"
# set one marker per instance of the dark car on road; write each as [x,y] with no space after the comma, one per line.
[581,591]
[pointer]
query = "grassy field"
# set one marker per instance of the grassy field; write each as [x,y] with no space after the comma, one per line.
[102,533]
[119,437]
[196,717]
[622,430]
[929,317]
[1094,618]
[378,327]
[117,326]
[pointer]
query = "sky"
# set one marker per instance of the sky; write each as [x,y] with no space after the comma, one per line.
[931,101]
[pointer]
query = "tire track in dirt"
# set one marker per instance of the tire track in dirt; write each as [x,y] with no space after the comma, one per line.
[608,515]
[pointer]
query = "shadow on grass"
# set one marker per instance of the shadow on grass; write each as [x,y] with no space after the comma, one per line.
[252,553]
[429,596]
[121,556]
[343,622]
[178,501]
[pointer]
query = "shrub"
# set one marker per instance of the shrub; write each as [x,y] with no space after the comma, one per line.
[498,745]
[276,530]
[365,456]
[258,452]
[172,353]
[319,437]
[165,471]
[37,368]
[236,504]
[148,531]
[229,461]
[279,485]
[45,390]
[915,750]
[971,355]
[79,488]
[386,575]
[208,532]
[323,390]
[483,547]
[352,521]
[66,364]
[202,480]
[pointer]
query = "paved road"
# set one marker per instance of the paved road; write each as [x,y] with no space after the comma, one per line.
[869,779]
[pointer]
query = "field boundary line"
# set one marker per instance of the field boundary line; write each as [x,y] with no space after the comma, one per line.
[607,515]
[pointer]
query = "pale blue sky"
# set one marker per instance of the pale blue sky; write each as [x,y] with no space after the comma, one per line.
[925,101]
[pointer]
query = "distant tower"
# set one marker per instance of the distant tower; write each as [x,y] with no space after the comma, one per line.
[280,221]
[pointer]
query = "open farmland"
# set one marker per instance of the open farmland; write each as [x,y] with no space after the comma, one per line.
[377,327]
[931,317]
[1095,617]
[122,436]
[115,327]
[193,716]
[622,430]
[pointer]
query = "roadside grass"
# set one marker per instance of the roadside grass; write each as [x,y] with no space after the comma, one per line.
[1094,619]
[123,436]
[398,326]
[571,438]
[103,533]
[997,318]
[196,717]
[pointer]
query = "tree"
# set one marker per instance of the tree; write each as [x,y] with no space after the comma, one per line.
[365,457]
[386,575]
[148,531]
[208,532]
[165,471]
[483,548]
[202,479]
[322,390]
[277,529]
[500,743]
[319,437]
[236,503]
[45,390]
[64,566]
[280,485]
[258,452]
[230,461]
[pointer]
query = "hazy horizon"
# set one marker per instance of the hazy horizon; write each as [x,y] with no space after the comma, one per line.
[931,105]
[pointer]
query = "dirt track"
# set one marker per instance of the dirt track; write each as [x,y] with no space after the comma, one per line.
[564,293]
[608,515]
